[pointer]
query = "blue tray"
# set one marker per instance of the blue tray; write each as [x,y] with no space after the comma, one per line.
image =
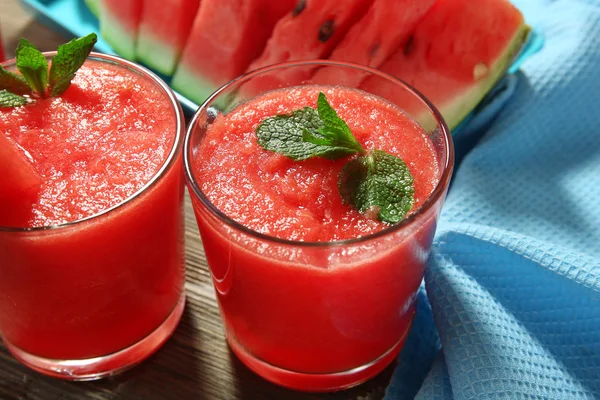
[73,18]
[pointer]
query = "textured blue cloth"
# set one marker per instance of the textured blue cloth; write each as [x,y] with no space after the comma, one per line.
[512,302]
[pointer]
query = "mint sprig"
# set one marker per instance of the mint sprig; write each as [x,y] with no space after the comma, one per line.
[12,82]
[377,184]
[8,99]
[35,77]
[285,134]
[33,66]
[69,58]
[335,131]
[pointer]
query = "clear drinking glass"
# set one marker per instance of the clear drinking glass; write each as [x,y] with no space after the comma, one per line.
[317,316]
[89,298]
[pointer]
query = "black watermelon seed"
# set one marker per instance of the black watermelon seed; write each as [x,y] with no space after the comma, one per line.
[408,47]
[326,30]
[300,6]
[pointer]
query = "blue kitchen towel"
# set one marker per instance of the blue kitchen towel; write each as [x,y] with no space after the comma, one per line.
[512,302]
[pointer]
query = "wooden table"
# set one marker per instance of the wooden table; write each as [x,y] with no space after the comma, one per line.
[196,362]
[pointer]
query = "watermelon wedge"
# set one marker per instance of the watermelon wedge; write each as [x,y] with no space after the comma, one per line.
[119,23]
[456,55]
[226,36]
[163,31]
[311,31]
[19,184]
[387,25]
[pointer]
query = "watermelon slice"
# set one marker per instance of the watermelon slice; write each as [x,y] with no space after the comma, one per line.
[387,25]
[226,36]
[163,31]
[456,55]
[19,184]
[119,22]
[311,31]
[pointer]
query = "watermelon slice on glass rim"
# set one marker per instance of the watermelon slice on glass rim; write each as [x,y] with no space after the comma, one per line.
[19,184]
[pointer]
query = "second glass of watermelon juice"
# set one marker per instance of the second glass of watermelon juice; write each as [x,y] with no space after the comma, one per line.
[92,281]
[314,296]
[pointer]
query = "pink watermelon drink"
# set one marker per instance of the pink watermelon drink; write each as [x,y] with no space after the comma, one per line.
[316,294]
[92,266]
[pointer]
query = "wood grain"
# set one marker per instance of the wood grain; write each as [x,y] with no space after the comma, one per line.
[196,362]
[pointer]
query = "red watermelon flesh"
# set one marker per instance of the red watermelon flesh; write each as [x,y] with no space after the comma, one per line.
[387,25]
[454,85]
[490,25]
[163,31]
[119,23]
[19,184]
[311,31]
[226,36]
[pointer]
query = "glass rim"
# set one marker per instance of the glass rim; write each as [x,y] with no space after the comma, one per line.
[432,199]
[166,165]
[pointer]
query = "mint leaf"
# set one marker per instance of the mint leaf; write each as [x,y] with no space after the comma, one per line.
[335,129]
[378,184]
[69,58]
[8,99]
[33,66]
[308,133]
[285,134]
[13,82]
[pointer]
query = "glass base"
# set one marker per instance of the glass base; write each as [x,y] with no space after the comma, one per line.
[105,366]
[308,382]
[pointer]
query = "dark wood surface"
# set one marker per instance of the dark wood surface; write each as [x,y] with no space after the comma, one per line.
[196,362]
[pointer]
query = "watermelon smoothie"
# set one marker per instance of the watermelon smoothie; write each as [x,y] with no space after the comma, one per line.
[91,279]
[314,296]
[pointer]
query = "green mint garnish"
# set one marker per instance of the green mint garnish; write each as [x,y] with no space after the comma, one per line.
[69,58]
[8,99]
[12,82]
[33,66]
[335,131]
[35,77]
[308,133]
[376,183]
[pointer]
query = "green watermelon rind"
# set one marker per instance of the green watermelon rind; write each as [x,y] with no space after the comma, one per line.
[457,110]
[121,41]
[94,7]
[191,85]
[154,54]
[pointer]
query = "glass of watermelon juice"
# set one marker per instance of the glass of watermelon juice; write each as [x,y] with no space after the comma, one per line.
[91,281]
[314,296]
